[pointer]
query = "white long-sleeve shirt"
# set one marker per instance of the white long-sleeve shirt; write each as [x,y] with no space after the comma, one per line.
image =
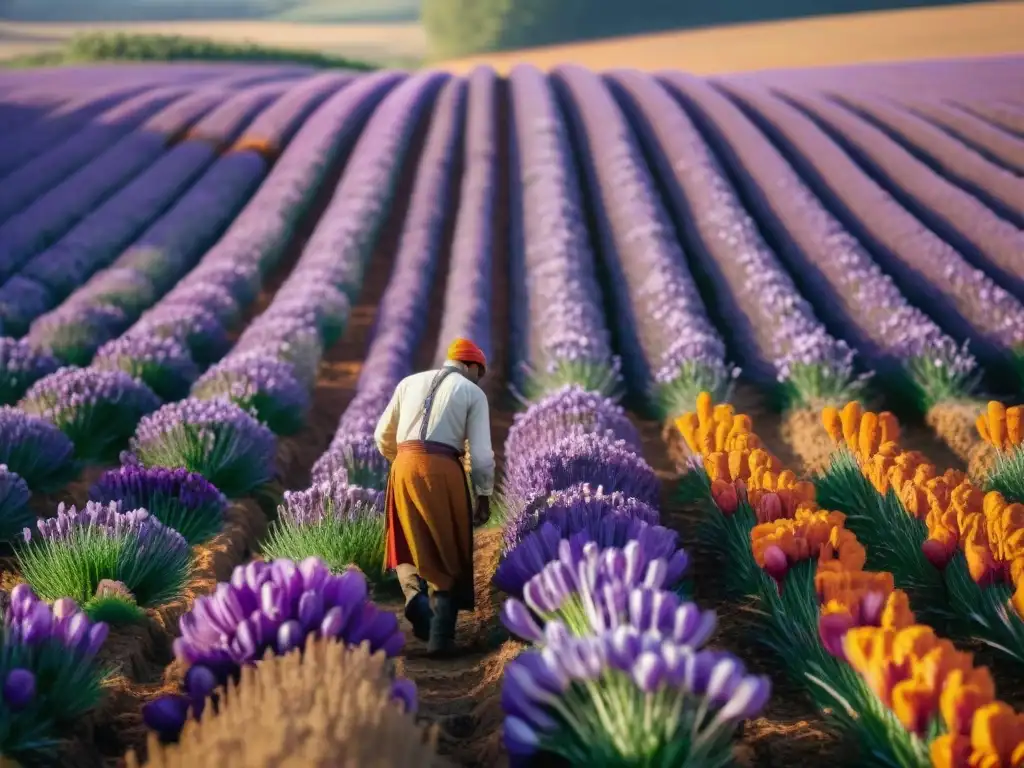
[459,414]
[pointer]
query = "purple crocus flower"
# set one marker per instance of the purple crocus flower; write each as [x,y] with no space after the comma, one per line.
[260,384]
[270,607]
[96,409]
[34,448]
[182,500]
[50,676]
[19,689]
[21,366]
[31,622]
[274,607]
[618,682]
[162,363]
[596,589]
[544,545]
[215,438]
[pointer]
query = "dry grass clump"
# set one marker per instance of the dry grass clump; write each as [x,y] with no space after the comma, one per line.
[329,706]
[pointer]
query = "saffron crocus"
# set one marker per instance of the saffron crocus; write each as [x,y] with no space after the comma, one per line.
[261,384]
[14,510]
[49,674]
[96,409]
[21,366]
[215,438]
[34,448]
[340,524]
[269,607]
[71,553]
[182,500]
[596,590]
[162,363]
[623,697]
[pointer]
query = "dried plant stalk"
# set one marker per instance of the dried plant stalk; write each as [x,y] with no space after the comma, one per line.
[330,706]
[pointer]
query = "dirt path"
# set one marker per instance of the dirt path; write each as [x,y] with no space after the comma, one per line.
[461,696]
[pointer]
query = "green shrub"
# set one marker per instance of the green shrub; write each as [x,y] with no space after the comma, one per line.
[119,46]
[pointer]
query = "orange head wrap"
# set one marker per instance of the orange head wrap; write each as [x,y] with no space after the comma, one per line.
[465,351]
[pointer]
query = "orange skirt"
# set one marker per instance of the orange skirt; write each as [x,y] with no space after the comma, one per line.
[429,520]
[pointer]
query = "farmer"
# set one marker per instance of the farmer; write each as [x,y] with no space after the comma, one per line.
[429,507]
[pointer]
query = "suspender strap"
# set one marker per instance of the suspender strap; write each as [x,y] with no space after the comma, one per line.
[428,404]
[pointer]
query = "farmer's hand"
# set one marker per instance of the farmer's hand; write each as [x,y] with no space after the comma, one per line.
[482,513]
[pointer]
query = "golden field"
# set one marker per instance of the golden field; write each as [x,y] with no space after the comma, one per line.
[953,31]
[969,30]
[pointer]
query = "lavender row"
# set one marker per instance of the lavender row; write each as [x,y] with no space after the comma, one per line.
[39,174]
[991,242]
[584,531]
[671,349]
[32,179]
[53,214]
[777,334]
[257,238]
[1003,114]
[70,118]
[467,297]
[273,366]
[852,291]
[558,325]
[1000,189]
[165,253]
[999,146]
[270,128]
[965,302]
[236,450]
[98,238]
[405,304]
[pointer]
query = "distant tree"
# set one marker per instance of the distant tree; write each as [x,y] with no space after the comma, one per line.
[457,27]
[461,27]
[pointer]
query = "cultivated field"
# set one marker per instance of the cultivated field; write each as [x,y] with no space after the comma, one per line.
[976,29]
[213,277]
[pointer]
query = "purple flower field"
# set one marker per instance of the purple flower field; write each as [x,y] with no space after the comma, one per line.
[212,279]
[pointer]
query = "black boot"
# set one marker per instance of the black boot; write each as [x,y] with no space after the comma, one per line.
[442,626]
[419,614]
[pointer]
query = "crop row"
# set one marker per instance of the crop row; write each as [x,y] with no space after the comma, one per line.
[842,625]
[680,180]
